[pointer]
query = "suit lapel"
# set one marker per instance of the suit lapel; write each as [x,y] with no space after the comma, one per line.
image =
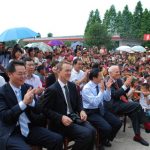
[60,90]
[11,95]
[23,91]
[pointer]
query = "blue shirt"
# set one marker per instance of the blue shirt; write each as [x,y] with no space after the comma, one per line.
[91,99]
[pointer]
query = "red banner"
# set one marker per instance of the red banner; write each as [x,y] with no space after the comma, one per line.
[146,37]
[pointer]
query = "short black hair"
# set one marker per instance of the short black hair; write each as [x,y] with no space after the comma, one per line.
[30,49]
[49,57]
[27,59]
[11,66]
[39,68]
[75,61]
[94,73]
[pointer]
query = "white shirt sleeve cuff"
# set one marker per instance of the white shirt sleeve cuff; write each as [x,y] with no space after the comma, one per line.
[124,87]
[32,104]
[22,105]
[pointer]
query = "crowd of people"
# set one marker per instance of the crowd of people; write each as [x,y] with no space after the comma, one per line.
[73,93]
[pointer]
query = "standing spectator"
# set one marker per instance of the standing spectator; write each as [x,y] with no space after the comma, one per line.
[78,76]
[31,53]
[31,79]
[16,54]
[145,103]
[42,74]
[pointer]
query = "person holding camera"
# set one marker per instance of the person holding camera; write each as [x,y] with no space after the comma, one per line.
[94,94]
[63,107]
[121,105]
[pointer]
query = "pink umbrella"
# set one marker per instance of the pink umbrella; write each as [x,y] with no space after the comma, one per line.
[55,43]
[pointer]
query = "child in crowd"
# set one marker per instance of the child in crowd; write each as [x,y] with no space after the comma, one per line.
[145,103]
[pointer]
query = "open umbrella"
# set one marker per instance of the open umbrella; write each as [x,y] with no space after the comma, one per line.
[41,45]
[124,48]
[17,33]
[55,43]
[74,44]
[138,48]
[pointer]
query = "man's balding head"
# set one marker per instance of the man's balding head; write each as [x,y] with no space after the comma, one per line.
[112,68]
[114,72]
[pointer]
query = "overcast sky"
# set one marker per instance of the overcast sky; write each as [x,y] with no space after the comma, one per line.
[60,17]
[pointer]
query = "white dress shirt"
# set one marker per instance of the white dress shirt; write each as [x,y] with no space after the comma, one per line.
[2,81]
[91,99]
[34,81]
[75,76]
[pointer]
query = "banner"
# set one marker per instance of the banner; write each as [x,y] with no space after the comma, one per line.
[146,37]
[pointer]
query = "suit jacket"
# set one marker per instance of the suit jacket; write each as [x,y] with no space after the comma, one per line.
[10,112]
[115,95]
[54,103]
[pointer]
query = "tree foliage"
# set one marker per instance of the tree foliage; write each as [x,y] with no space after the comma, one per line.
[95,32]
[50,35]
[110,20]
[124,23]
[39,35]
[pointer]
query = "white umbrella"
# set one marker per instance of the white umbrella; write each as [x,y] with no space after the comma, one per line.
[124,48]
[138,48]
[41,45]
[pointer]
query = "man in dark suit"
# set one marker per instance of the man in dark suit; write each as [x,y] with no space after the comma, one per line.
[20,116]
[63,106]
[121,105]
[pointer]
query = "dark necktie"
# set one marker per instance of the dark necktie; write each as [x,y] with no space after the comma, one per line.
[68,98]
[100,106]
[97,89]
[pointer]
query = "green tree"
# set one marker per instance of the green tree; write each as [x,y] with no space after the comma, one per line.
[119,23]
[96,17]
[145,23]
[97,35]
[50,35]
[39,35]
[93,18]
[110,20]
[137,19]
[90,20]
[126,23]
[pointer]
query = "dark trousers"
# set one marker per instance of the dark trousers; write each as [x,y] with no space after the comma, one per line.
[83,135]
[37,136]
[134,111]
[108,124]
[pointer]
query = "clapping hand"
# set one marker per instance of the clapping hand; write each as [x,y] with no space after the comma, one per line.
[128,81]
[39,90]
[109,83]
[102,86]
[28,97]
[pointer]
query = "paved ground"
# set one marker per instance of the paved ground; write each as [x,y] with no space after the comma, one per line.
[124,141]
